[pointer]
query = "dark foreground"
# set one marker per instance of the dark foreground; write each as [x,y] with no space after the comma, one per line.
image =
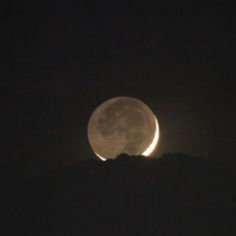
[173,195]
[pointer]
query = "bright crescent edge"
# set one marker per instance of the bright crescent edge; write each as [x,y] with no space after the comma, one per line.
[154,142]
[150,148]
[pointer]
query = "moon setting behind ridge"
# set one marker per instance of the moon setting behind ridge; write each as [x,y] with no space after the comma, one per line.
[123,125]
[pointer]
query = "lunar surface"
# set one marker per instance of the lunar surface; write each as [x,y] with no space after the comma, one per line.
[122,125]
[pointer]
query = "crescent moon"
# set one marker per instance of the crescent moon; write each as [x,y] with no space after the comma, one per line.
[123,125]
[154,142]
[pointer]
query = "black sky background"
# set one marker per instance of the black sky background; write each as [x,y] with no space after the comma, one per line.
[62,60]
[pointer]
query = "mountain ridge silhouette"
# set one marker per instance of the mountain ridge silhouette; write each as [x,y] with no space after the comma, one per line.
[175,194]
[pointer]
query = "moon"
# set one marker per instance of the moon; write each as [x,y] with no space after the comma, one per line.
[122,125]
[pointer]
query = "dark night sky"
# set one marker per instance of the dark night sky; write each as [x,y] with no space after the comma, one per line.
[60,62]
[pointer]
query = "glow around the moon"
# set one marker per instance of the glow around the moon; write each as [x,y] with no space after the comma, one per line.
[123,125]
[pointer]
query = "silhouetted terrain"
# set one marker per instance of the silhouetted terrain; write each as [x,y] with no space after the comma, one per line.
[173,195]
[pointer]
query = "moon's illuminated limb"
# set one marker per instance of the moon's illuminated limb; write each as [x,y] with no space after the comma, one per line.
[102,158]
[150,148]
[154,142]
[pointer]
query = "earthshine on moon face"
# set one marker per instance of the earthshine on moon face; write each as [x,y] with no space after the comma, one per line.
[123,125]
